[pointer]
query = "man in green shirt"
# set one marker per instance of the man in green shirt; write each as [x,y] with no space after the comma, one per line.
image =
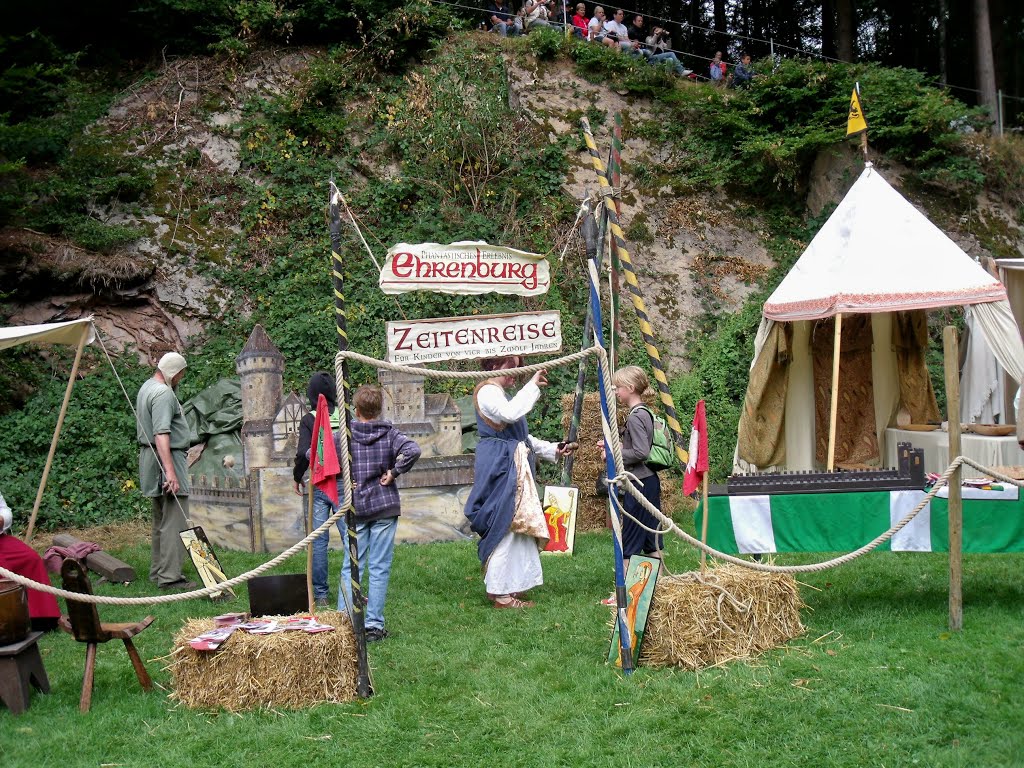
[163,438]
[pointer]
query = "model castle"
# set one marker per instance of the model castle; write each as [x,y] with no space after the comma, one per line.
[254,506]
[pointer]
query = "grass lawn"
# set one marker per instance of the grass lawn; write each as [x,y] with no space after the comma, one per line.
[878,680]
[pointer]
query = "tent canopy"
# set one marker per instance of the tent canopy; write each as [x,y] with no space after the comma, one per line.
[876,256]
[878,253]
[70,333]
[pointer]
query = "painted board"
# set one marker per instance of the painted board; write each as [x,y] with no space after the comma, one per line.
[204,558]
[559,506]
[640,582]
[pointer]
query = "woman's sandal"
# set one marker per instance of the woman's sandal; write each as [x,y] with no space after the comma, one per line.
[514,602]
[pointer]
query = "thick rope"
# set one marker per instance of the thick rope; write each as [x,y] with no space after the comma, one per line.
[622,479]
[810,567]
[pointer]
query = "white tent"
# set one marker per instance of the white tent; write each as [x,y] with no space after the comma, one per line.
[875,255]
[76,333]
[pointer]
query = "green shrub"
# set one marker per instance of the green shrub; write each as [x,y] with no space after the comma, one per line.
[546,42]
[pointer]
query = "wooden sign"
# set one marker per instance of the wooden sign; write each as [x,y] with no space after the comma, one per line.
[560,513]
[461,338]
[640,582]
[464,268]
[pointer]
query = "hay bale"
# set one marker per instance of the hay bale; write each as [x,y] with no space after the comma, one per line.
[729,613]
[592,511]
[287,670]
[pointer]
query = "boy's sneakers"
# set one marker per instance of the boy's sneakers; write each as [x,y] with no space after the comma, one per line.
[322,602]
[376,634]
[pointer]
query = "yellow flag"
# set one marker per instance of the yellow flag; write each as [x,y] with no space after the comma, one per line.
[855,123]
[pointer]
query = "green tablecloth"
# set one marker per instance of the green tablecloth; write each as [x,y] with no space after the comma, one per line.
[842,522]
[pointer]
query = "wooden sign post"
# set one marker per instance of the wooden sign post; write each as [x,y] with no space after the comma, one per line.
[951,355]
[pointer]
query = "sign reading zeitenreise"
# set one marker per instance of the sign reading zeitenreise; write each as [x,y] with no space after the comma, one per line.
[460,338]
[465,268]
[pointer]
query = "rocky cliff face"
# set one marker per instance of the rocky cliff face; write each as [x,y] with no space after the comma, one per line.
[691,249]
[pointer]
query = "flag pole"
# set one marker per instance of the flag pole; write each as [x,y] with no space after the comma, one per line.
[590,239]
[364,688]
[636,296]
[704,525]
[309,547]
[625,647]
[835,393]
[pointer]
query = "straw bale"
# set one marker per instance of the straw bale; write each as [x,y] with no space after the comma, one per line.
[592,511]
[727,614]
[286,670]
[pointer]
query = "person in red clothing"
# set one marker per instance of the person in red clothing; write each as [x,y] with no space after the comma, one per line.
[19,557]
[580,21]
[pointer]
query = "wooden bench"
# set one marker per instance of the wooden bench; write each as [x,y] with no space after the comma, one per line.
[21,666]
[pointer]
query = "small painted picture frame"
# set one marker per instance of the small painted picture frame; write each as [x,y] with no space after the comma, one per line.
[641,579]
[559,506]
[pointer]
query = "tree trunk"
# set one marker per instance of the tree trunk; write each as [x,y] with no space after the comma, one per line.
[721,29]
[943,15]
[846,30]
[828,28]
[985,62]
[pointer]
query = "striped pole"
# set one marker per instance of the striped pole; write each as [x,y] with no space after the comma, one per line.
[625,645]
[590,238]
[615,167]
[364,687]
[636,296]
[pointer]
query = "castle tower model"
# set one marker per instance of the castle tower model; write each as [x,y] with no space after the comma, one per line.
[260,367]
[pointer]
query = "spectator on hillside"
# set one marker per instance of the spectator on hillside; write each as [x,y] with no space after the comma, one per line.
[580,22]
[502,20]
[595,28]
[535,15]
[660,45]
[616,31]
[638,35]
[716,71]
[743,73]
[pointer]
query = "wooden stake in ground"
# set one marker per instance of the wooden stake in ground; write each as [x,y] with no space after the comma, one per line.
[309,547]
[951,355]
[835,394]
[56,435]
[704,524]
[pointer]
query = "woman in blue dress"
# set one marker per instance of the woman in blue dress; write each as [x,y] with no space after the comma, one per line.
[504,507]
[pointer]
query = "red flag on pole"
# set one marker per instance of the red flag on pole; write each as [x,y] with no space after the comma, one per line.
[698,462]
[323,461]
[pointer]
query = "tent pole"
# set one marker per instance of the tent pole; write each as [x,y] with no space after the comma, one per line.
[951,355]
[835,394]
[56,435]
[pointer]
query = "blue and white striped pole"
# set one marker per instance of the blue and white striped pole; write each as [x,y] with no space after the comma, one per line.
[625,647]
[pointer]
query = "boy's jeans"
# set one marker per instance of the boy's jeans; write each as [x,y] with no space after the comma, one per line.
[322,509]
[376,545]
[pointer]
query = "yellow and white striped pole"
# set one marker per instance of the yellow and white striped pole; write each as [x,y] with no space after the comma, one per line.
[636,296]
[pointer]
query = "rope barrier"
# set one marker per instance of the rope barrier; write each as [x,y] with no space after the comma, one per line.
[622,479]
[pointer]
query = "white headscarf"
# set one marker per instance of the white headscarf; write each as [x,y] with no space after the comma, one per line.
[171,365]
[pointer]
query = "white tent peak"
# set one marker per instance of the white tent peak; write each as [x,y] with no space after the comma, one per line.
[878,253]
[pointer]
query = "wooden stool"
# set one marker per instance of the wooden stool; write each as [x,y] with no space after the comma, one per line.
[21,664]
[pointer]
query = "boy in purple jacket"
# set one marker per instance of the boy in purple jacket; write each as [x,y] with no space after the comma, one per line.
[380,453]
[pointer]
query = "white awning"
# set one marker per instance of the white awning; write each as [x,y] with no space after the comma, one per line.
[70,333]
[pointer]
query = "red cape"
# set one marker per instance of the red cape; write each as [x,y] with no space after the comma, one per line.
[17,556]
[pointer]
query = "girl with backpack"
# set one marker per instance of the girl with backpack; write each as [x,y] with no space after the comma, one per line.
[637,437]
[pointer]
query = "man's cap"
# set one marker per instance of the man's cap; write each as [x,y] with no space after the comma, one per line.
[171,365]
